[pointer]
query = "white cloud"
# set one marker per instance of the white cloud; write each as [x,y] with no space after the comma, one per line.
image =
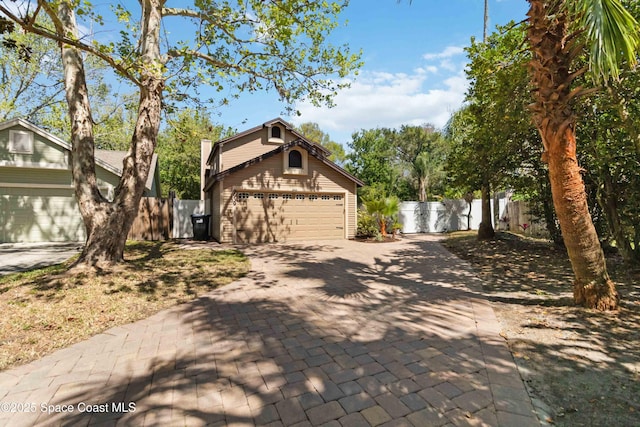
[448,52]
[377,99]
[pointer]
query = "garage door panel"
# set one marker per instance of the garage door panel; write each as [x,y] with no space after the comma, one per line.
[38,215]
[262,217]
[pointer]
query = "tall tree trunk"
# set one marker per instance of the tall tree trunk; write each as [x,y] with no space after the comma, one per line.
[485,230]
[608,200]
[551,78]
[421,189]
[468,197]
[108,222]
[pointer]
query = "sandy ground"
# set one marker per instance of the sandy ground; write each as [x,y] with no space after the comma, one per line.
[582,367]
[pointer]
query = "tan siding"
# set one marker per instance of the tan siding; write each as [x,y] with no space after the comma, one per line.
[249,147]
[267,175]
[352,209]
[226,225]
[216,211]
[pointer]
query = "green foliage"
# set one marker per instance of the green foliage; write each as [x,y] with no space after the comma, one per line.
[312,132]
[384,210]
[179,152]
[493,142]
[385,159]
[368,225]
[612,32]
[26,89]
[370,158]
[492,135]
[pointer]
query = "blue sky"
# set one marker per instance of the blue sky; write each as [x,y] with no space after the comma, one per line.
[413,66]
[413,69]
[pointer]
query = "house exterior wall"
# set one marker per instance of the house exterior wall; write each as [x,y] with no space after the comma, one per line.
[216,211]
[45,154]
[37,199]
[249,146]
[268,176]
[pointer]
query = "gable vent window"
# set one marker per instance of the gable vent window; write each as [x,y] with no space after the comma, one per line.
[275,132]
[295,159]
[20,142]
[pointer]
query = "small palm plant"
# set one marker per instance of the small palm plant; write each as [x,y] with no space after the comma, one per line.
[384,209]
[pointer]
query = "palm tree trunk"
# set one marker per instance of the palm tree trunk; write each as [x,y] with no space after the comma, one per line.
[555,120]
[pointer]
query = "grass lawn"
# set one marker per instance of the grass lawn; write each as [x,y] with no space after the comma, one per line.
[47,309]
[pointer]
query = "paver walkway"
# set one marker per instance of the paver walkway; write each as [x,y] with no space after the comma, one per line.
[322,333]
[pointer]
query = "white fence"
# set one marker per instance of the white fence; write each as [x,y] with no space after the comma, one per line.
[438,217]
[454,215]
[182,211]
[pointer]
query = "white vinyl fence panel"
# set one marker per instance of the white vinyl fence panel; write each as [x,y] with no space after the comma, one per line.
[182,211]
[439,217]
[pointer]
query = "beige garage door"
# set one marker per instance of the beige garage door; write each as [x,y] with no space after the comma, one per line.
[277,217]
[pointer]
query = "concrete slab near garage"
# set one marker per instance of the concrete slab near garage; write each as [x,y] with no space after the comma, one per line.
[15,257]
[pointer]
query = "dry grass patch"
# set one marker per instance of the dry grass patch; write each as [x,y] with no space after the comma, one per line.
[46,309]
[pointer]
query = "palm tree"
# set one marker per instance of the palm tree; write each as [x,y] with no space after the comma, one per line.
[557,30]
[384,209]
[426,168]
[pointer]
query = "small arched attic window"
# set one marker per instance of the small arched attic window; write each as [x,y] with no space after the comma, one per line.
[295,159]
[295,162]
[276,132]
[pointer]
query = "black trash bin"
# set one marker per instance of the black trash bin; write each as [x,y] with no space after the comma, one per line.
[200,223]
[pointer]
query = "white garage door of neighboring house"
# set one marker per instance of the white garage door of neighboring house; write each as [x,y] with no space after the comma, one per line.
[39,215]
[272,217]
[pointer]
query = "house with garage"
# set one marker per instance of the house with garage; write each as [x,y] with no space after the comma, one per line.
[37,199]
[271,184]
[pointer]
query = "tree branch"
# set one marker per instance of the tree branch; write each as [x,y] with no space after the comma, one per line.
[30,25]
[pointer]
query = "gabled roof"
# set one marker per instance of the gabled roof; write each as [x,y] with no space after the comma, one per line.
[110,160]
[288,126]
[54,139]
[312,149]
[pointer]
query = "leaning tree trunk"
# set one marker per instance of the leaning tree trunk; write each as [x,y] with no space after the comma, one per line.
[551,78]
[485,230]
[107,222]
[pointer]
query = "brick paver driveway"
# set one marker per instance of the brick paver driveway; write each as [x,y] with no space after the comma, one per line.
[319,333]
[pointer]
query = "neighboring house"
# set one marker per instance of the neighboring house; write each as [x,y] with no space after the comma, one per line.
[37,199]
[270,184]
